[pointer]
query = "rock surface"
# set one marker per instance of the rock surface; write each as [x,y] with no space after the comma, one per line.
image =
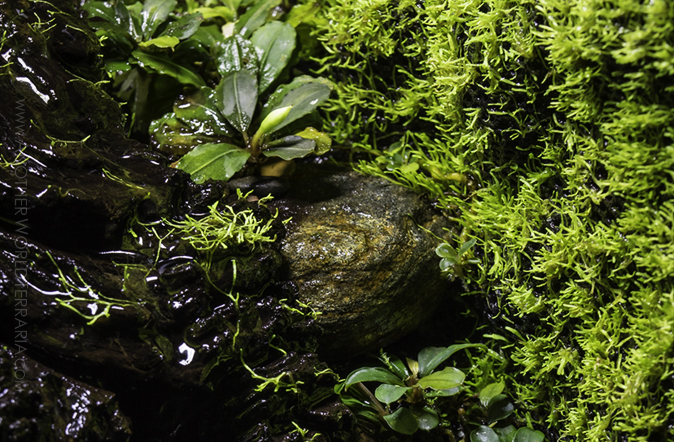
[359,253]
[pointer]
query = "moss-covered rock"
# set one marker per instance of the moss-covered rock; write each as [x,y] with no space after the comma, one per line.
[544,128]
[362,252]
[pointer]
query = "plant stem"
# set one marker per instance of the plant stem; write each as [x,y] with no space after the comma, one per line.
[375,401]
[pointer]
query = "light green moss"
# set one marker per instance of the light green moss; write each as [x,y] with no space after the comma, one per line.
[545,129]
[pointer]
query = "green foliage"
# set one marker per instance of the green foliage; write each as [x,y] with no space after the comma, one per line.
[414,385]
[232,114]
[136,50]
[544,129]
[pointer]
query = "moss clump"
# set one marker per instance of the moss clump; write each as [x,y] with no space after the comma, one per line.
[545,128]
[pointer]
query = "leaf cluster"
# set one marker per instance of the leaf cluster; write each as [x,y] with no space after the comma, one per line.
[407,389]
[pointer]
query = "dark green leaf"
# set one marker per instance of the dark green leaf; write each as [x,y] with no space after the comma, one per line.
[323,142]
[528,435]
[427,418]
[448,378]
[402,421]
[499,408]
[154,13]
[396,366]
[185,27]
[388,393]
[232,4]
[292,147]
[100,10]
[506,434]
[466,246]
[128,21]
[117,66]
[234,54]
[237,97]
[160,64]
[200,111]
[304,100]
[489,392]
[372,374]
[213,161]
[483,434]
[276,40]
[279,94]
[208,35]
[431,357]
[255,17]
[164,41]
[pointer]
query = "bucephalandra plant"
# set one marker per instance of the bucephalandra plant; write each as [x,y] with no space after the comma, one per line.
[141,41]
[407,393]
[252,132]
[406,390]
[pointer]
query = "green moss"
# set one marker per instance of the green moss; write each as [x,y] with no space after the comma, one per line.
[545,129]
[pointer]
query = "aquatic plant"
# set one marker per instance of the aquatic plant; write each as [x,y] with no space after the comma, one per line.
[141,41]
[406,397]
[233,111]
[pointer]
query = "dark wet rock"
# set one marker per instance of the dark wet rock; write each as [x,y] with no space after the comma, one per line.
[37,403]
[359,251]
[261,186]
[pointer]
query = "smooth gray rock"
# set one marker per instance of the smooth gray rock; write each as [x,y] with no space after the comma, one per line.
[357,253]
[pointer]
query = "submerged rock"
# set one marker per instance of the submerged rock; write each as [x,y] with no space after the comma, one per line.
[360,252]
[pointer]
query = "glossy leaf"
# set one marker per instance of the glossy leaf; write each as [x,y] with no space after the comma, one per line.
[448,378]
[292,147]
[446,251]
[500,408]
[402,421]
[208,35]
[527,435]
[154,13]
[506,434]
[213,161]
[396,366]
[431,357]
[255,17]
[160,64]
[372,374]
[388,393]
[276,40]
[304,100]
[323,141]
[234,54]
[276,98]
[483,434]
[164,41]
[128,21]
[185,27]
[427,418]
[200,111]
[100,10]
[489,392]
[236,98]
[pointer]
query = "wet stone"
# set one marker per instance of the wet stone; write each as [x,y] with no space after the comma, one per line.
[359,252]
